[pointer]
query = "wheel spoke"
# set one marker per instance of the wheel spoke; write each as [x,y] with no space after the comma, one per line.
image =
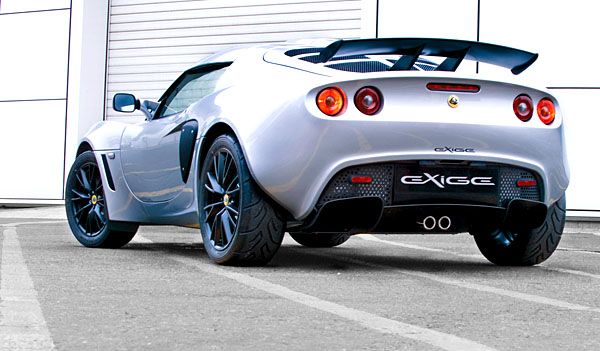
[84,180]
[99,216]
[226,223]
[221,158]
[215,186]
[80,212]
[88,221]
[230,208]
[229,162]
[232,183]
[212,205]
[80,194]
[233,191]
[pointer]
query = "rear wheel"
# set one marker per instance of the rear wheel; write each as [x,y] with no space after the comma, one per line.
[320,239]
[240,226]
[524,248]
[86,206]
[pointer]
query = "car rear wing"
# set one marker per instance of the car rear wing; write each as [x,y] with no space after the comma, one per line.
[411,48]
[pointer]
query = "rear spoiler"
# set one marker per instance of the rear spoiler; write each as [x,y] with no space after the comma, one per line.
[411,48]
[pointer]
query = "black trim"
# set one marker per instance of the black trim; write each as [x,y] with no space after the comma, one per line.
[351,215]
[187,143]
[109,178]
[514,59]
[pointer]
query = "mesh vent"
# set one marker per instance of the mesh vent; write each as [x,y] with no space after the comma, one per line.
[508,185]
[426,67]
[311,58]
[360,67]
[296,52]
[381,186]
[350,57]
[383,180]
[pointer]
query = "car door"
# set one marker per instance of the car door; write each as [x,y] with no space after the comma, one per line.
[155,155]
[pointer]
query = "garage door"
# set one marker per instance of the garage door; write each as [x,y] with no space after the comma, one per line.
[152,41]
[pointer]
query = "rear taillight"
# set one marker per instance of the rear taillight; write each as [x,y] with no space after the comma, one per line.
[546,111]
[523,107]
[461,88]
[331,101]
[368,100]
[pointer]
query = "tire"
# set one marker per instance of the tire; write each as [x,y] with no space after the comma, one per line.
[527,248]
[239,224]
[86,206]
[320,239]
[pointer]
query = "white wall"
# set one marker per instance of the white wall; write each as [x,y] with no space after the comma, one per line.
[87,71]
[33,94]
[564,33]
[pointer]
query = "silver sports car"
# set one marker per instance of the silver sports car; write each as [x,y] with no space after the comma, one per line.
[326,139]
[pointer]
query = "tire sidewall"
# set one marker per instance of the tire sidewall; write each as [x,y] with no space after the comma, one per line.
[525,250]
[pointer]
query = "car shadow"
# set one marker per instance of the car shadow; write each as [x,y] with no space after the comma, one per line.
[341,259]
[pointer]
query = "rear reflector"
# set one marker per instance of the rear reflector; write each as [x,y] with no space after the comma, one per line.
[360,179]
[464,88]
[526,183]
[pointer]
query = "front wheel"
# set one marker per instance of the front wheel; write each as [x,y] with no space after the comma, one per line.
[86,207]
[524,248]
[239,224]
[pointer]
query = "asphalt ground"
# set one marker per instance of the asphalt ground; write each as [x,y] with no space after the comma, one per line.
[375,292]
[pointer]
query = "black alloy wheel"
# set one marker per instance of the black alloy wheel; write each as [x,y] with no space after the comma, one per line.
[239,223]
[87,213]
[87,200]
[222,198]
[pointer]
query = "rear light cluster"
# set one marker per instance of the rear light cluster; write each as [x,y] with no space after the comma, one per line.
[523,108]
[332,101]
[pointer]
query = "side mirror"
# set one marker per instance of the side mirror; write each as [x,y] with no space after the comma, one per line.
[125,102]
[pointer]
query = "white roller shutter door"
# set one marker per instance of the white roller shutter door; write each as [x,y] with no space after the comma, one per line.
[152,41]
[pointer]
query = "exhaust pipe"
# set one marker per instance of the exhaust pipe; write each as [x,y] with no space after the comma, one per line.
[430,223]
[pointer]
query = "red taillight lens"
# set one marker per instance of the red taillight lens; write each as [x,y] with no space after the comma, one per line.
[461,88]
[545,110]
[360,179]
[331,101]
[523,107]
[526,183]
[368,100]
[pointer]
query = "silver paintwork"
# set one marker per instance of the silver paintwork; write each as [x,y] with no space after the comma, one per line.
[293,150]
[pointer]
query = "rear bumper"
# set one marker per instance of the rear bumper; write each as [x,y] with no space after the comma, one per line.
[368,215]
[445,201]
[295,166]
